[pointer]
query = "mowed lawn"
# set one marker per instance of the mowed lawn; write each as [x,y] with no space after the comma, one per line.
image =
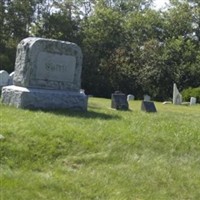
[100,154]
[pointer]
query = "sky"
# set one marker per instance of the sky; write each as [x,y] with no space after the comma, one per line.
[160,3]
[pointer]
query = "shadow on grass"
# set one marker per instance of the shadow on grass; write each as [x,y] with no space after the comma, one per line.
[81,114]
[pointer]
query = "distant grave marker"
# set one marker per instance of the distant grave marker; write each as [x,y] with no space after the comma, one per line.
[4,76]
[148,106]
[130,97]
[147,97]
[193,101]
[119,101]
[177,97]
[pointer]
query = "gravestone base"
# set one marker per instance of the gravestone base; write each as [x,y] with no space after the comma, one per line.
[31,98]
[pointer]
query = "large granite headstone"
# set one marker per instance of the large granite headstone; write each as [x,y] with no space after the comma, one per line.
[47,76]
[177,97]
[148,106]
[119,101]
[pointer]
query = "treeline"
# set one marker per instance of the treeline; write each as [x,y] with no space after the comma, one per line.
[127,45]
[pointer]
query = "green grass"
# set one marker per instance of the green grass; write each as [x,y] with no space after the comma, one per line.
[100,154]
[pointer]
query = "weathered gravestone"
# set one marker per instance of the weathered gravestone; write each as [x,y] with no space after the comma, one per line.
[4,76]
[119,101]
[177,97]
[147,97]
[193,101]
[148,106]
[47,76]
[130,97]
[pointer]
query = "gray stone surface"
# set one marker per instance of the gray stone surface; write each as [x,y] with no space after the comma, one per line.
[130,97]
[148,106]
[147,97]
[119,101]
[47,76]
[32,98]
[193,101]
[48,64]
[177,97]
[4,76]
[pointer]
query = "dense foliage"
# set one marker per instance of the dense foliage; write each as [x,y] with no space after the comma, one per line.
[191,92]
[127,45]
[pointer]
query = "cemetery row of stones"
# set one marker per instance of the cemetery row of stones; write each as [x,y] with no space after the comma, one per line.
[7,79]
[48,76]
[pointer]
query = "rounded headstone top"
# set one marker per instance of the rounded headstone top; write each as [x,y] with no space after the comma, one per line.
[48,64]
[4,76]
[130,97]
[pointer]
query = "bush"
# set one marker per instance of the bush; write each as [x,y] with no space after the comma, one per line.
[191,92]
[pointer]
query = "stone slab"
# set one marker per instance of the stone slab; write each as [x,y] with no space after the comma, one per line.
[193,101]
[130,97]
[177,97]
[48,64]
[147,97]
[4,76]
[148,106]
[30,98]
[119,101]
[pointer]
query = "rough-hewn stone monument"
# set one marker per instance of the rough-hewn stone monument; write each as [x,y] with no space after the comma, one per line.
[47,76]
[177,97]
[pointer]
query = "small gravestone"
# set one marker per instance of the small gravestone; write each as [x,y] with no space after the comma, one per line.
[4,76]
[119,101]
[130,97]
[177,97]
[47,76]
[147,97]
[193,101]
[148,106]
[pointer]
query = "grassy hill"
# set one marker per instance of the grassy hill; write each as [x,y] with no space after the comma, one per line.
[101,154]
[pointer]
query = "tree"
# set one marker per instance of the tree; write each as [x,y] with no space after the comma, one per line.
[16,18]
[102,33]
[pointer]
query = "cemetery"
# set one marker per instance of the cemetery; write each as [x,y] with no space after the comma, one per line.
[48,141]
[100,152]
[99,100]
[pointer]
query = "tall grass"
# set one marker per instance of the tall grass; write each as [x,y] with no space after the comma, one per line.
[100,154]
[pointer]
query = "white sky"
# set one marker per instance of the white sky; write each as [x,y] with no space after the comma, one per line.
[160,3]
